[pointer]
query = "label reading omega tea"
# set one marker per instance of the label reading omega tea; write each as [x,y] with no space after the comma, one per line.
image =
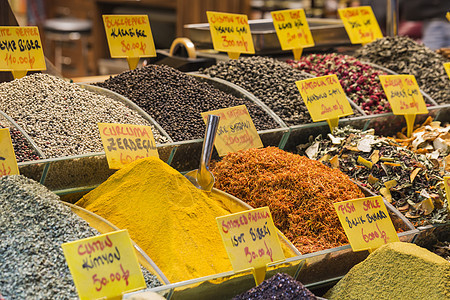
[125,143]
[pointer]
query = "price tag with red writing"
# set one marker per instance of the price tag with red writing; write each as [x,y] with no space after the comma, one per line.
[447,68]
[360,23]
[404,96]
[230,33]
[104,266]
[366,223]
[21,50]
[292,30]
[8,162]
[325,99]
[251,240]
[125,143]
[129,36]
[447,189]
[236,130]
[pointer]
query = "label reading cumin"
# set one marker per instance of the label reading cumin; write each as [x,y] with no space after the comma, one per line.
[125,143]
[8,162]
[104,266]
[360,23]
[366,223]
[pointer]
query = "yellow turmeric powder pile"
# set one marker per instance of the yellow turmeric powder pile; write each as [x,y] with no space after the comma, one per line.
[170,219]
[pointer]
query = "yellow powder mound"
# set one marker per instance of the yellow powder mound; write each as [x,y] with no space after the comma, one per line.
[396,271]
[170,219]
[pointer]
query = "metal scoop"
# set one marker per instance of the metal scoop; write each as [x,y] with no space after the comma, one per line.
[202,178]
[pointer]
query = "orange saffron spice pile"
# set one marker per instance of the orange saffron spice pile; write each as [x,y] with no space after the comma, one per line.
[299,192]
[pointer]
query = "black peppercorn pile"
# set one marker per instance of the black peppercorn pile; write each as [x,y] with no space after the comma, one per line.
[22,148]
[175,100]
[404,56]
[279,286]
[272,81]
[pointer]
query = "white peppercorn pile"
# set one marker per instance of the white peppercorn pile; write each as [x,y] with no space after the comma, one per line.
[33,225]
[62,117]
[175,100]
[272,81]
[405,56]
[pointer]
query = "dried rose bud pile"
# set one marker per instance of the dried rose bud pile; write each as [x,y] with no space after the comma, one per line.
[359,80]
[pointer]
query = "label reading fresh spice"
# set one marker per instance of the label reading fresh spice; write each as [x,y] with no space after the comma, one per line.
[360,23]
[8,162]
[104,266]
[230,33]
[125,143]
[292,29]
[366,223]
[236,130]
[129,36]
[21,50]
[251,239]
[447,68]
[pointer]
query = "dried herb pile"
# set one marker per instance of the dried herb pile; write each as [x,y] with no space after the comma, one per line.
[299,192]
[359,80]
[408,180]
[405,56]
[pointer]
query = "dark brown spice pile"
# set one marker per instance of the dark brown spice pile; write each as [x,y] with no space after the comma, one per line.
[175,100]
[23,150]
[299,192]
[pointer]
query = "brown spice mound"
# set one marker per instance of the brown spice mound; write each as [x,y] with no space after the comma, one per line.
[299,192]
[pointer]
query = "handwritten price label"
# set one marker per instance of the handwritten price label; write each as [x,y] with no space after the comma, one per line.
[104,266]
[230,33]
[251,239]
[292,29]
[447,188]
[360,23]
[21,49]
[125,143]
[447,68]
[236,130]
[8,162]
[366,223]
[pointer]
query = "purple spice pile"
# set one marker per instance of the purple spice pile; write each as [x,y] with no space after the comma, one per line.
[280,286]
[359,80]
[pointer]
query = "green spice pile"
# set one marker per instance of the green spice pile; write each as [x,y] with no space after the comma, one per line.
[408,180]
[299,192]
[396,271]
[405,56]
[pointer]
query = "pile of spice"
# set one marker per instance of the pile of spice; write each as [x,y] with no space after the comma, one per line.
[359,80]
[175,100]
[405,56]
[33,225]
[169,218]
[62,117]
[408,180]
[299,192]
[279,286]
[396,271]
[272,81]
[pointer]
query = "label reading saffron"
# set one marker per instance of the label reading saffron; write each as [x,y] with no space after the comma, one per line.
[447,69]
[236,130]
[125,143]
[21,49]
[250,238]
[104,266]
[366,222]
[292,29]
[360,23]
[230,32]
[8,162]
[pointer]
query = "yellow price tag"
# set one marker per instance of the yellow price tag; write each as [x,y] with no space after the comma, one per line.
[448,16]
[251,240]
[366,223]
[292,30]
[360,23]
[129,36]
[104,266]
[236,130]
[404,96]
[125,143]
[7,155]
[230,33]
[325,99]
[21,50]
[447,189]
[447,68]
